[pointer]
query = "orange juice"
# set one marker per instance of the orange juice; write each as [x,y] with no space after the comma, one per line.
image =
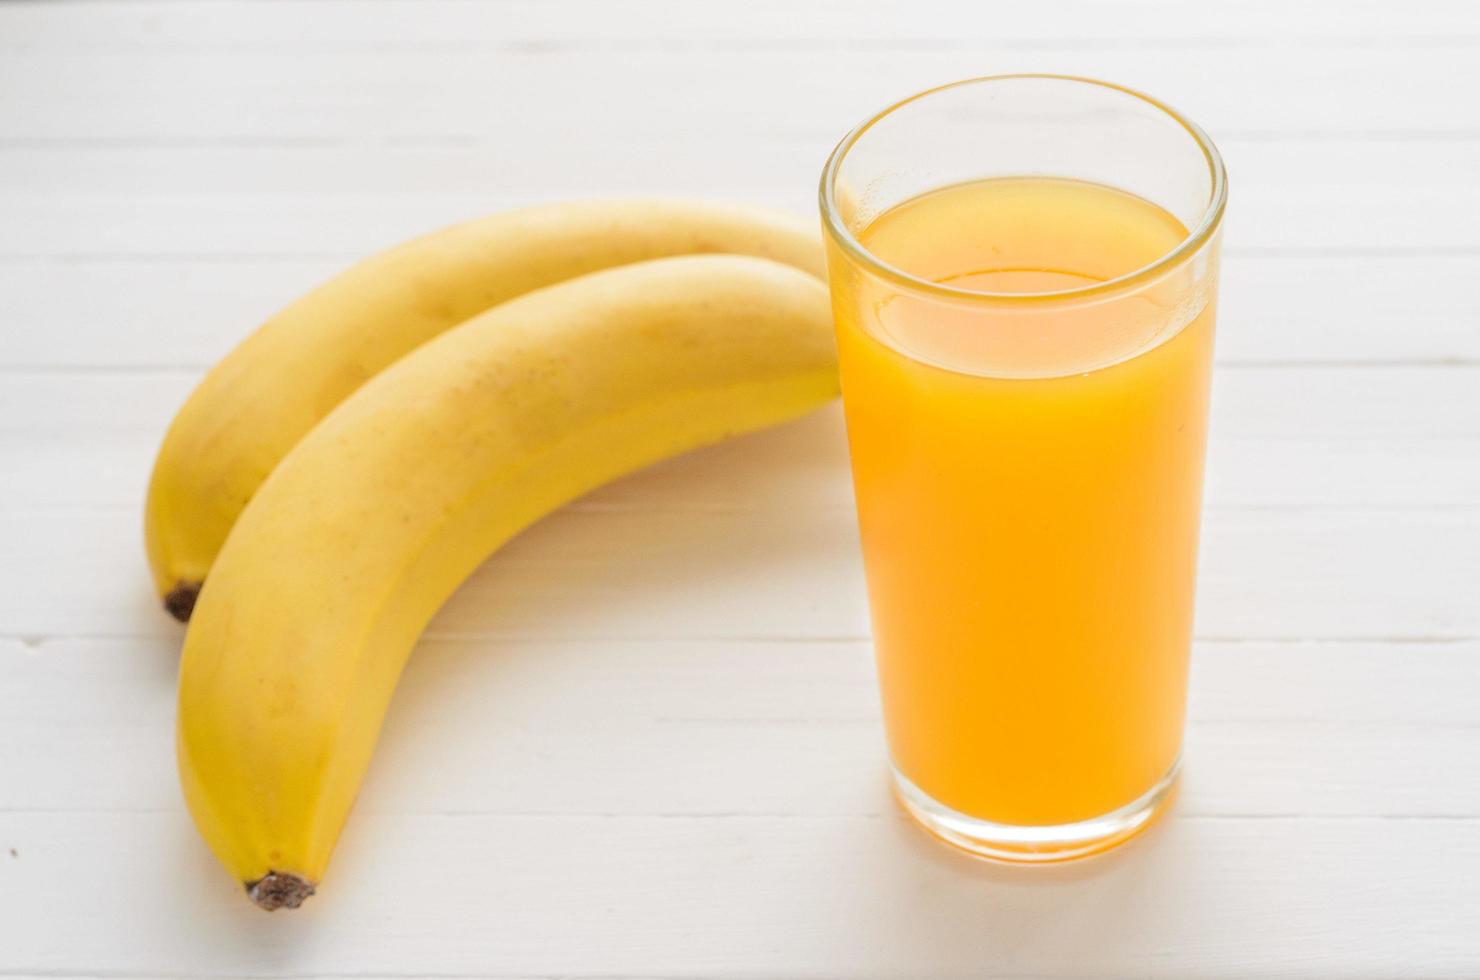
[1028,493]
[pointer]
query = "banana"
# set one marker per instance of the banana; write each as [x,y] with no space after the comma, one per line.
[377,515]
[276,386]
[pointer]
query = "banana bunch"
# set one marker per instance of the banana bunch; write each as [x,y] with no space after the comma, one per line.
[371,445]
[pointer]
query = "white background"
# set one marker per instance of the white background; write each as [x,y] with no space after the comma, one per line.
[643,741]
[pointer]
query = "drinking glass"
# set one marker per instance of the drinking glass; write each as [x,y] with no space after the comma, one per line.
[1023,273]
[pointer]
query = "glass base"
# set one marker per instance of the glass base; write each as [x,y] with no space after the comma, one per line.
[1022,844]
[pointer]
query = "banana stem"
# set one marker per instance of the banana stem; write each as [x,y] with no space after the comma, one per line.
[180,601]
[279,890]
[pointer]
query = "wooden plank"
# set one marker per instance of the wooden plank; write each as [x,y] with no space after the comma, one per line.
[138,196]
[420,23]
[1374,438]
[783,572]
[540,96]
[544,727]
[188,313]
[1289,212]
[751,897]
[805,467]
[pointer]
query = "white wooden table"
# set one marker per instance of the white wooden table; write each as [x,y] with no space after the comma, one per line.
[643,741]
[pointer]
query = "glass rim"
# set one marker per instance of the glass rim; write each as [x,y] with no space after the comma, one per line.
[1196,238]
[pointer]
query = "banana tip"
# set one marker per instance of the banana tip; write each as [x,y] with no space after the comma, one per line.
[279,890]
[179,602]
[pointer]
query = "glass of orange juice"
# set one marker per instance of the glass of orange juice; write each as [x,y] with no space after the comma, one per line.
[1023,273]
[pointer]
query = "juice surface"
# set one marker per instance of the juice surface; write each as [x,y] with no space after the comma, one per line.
[1029,483]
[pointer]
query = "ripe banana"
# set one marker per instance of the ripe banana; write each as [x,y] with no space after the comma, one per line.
[378,514]
[270,391]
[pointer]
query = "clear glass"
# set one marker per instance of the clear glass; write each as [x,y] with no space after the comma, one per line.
[1027,459]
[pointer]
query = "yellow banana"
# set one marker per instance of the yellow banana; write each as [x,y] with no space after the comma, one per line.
[270,391]
[378,514]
